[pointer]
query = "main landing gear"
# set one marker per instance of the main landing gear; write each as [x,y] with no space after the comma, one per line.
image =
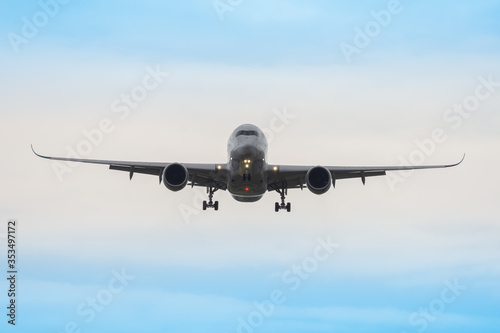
[215,205]
[283,192]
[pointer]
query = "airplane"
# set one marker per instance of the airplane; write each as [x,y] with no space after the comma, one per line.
[247,175]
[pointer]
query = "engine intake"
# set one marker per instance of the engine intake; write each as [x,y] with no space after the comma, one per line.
[318,179]
[175,176]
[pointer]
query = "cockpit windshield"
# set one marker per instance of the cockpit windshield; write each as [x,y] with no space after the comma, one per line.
[247,133]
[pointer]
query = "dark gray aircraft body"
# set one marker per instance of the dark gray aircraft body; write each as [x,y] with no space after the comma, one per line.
[247,175]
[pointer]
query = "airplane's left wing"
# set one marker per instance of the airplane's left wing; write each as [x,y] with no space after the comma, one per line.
[294,176]
[200,174]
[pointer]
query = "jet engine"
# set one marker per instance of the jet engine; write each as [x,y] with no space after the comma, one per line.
[175,176]
[318,179]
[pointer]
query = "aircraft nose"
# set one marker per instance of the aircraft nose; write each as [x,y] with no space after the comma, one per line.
[247,151]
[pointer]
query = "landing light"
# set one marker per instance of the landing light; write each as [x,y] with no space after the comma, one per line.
[275,168]
[219,167]
[246,166]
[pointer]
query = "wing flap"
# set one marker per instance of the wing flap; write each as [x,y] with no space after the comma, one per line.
[357,174]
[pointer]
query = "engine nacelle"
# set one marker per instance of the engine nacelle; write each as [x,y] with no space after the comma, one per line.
[318,179]
[175,176]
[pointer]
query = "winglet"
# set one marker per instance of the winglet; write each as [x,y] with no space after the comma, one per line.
[452,165]
[33,149]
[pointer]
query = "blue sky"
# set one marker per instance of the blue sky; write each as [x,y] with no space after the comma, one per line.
[418,253]
[284,31]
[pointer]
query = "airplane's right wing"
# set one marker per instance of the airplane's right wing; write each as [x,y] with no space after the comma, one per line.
[200,174]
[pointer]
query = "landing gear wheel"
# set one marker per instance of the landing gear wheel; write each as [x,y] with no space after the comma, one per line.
[276,207]
[216,205]
[204,205]
[288,207]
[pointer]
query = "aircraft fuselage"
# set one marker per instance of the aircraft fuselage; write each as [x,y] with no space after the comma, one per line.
[247,163]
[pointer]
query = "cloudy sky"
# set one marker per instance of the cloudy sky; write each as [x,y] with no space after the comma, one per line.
[331,83]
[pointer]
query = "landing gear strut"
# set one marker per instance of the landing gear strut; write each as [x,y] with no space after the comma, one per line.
[283,192]
[215,205]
